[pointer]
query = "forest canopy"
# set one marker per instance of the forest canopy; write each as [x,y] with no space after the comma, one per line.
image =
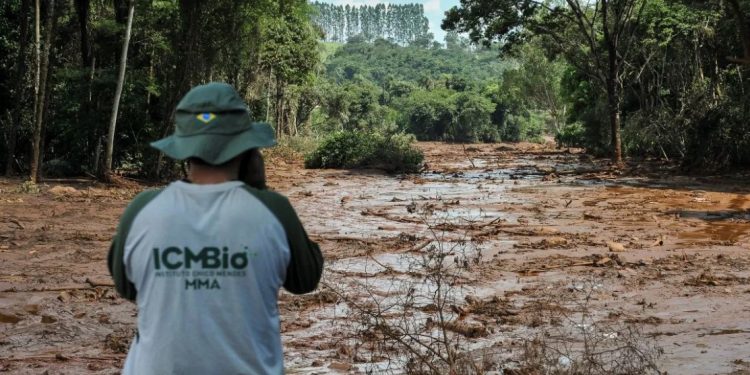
[641,78]
[644,77]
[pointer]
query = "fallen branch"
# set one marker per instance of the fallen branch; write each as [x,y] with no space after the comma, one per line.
[91,286]
[345,238]
[387,267]
[110,357]
[13,290]
[547,268]
[14,221]
[96,283]
[419,247]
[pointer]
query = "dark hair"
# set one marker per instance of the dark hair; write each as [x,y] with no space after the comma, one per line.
[201,162]
[252,169]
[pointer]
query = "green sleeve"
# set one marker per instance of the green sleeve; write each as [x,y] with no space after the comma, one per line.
[115,260]
[306,263]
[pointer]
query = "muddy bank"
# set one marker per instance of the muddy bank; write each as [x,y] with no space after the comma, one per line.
[669,253]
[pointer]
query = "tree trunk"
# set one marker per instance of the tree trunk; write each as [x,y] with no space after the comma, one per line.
[280,125]
[38,55]
[614,100]
[82,11]
[82,8]
[20,88]
[614,94]
[268,96]
[181,77]
[36,157]
[107,173]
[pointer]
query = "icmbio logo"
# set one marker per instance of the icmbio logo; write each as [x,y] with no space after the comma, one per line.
[173,258]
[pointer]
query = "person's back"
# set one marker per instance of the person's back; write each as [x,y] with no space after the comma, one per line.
[204,263]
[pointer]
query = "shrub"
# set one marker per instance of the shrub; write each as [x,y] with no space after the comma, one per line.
[571,135]
[290,148]
[344,149]
[527,127]
[473,122]
[398,154]
[351,149]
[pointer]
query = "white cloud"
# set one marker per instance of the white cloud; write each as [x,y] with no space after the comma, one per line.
[432,6]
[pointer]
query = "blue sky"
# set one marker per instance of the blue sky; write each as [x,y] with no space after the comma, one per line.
[433,10]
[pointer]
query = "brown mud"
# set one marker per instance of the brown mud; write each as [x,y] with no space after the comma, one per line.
[672,252]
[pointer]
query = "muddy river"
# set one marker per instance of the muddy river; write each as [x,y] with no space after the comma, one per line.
[478,240]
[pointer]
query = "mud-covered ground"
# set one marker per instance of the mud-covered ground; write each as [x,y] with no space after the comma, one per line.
[667,253]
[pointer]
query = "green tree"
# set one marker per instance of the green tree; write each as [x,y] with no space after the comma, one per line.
[536,81]
[428,113]
[595,36]
[473,122]
[290,54]
[42,95]
[107,173]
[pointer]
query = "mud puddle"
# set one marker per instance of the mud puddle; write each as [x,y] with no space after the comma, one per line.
[538,225]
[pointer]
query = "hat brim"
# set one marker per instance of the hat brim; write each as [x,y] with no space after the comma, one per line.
[216,148]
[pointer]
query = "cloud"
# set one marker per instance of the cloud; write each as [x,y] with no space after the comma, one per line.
[432,6]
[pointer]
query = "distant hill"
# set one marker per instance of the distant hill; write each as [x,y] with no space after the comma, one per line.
[383,60]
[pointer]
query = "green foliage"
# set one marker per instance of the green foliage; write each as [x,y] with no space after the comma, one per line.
[571,135]
[344,149]
[428,114]
[673,87]
[352,149]
[269,53]
[290,48]
[384,63]
[398,153]
[529,126]
[451,94]
[534,84]
[720,139]
[327,49]
[354,105]
[589,108]
[472,122]
[681,97]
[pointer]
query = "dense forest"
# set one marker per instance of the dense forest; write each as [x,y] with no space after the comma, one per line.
[642,77]
[86,84]
[61,62]
[435,93]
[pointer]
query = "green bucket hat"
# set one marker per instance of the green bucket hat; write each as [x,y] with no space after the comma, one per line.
[213,124]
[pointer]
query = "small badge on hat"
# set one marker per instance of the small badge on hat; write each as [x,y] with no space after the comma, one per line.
[205,117]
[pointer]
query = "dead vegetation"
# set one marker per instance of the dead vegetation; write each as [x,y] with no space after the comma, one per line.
[572,337]
[415,319]
[423,320]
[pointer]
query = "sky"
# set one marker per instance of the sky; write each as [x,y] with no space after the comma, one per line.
[434,10]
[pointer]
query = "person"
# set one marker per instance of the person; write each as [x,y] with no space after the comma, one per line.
[204,258]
